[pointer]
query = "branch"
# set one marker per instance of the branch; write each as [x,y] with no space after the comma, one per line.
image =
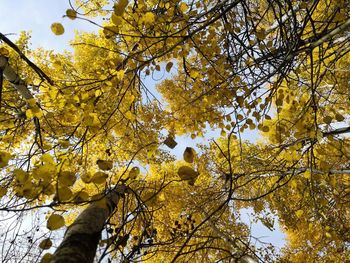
[337,131]
[14,79]
[82,237]
[22,56]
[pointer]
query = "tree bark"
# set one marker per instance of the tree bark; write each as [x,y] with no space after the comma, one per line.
[15,80]
[81,238]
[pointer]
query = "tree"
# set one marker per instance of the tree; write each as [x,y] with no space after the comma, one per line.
[77,126]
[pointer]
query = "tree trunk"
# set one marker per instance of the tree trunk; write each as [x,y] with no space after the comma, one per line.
[15,80]
[81,238]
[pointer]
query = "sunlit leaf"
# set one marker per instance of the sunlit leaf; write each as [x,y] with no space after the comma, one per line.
[45,243]
[55,221]
[134,172]
[187,173]
[168,66]
[99,178]
[57,28]
[189,154]
[104,165]
[72,14]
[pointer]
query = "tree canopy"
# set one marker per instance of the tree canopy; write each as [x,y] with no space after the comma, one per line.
[76,127]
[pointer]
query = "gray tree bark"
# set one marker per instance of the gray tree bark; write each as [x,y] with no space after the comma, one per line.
[81,238]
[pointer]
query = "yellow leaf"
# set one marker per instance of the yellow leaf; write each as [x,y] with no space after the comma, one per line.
[299,213]
[46,243]
[99,178]
[72,14]
[168,66]
[67,178]
[57,28]
[86,177]
[21,176]
[183,7]
[47,158]
[98,93]
[119,7]
[29,114]
[307,174]
[294,184]
[91,119]
[130,116]
[104,165]
[134,172]
[170,142]
[82,196]
[55,222]
[31,102]
[110,31]
[120,74]
[339,117]
[64,193]
[4,159]
[117,20]
[148,18]
[4,51]
[187,173]
[265,129]
[327,119]
[328,235]
[3,191]
[46,258]
[189,154]
[64,143]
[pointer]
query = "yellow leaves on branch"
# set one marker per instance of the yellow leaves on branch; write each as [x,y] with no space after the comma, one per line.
[57,28]
[55,222]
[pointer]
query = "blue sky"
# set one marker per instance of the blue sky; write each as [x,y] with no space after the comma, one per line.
[38,15]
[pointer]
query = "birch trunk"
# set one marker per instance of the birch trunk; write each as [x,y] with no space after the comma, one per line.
[15,80]
[81,238]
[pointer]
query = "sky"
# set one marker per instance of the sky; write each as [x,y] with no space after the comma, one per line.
[37,16]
